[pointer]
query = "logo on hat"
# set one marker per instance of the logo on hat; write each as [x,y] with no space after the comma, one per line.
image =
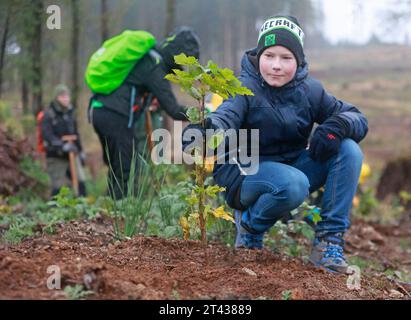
[269,40]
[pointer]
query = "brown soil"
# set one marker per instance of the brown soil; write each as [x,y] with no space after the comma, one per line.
[11,153]
[388,246]
[157,268]
[396,177]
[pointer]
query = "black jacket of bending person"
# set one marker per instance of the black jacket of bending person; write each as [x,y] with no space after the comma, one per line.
[148,74]
[115,114]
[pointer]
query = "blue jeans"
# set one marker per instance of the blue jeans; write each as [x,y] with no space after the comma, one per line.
[278,188]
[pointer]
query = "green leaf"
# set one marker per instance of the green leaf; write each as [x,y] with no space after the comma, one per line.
[183,60]
[211,219]
[223,94]
[182,74]
[172,77]
[195,93]
[212,67]
[212,191]
[207,79]
[227,74]
[207,209]
[195,71]
[198,189]
[193,114]
[316,217]
[215,140]
[192,199]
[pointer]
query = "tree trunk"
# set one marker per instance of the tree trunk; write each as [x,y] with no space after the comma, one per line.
[228,52]
[25,96]
[170,24]
[3,47]
[104,20]
[74,51]
[36,84]
[171,16]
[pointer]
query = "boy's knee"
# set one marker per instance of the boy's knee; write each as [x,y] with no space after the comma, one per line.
[350,149]
[297,190]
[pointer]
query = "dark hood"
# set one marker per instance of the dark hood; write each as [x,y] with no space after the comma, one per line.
[181,40]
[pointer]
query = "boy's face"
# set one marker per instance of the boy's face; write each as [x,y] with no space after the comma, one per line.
[64,99]
[277,66]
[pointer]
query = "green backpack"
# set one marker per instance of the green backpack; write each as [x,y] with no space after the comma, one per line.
[109,66]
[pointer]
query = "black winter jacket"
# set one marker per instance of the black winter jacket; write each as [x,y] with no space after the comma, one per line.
[147,76]
[284,116]
[58,122]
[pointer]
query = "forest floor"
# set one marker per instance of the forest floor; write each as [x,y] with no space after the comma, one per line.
[156,268]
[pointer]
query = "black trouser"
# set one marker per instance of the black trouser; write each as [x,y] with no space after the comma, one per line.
[117,142]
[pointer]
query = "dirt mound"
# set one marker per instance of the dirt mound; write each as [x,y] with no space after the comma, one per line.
[157,268]
[387,245]
[12,153]
[396,177]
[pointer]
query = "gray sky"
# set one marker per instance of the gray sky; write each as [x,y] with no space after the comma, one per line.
[356,21]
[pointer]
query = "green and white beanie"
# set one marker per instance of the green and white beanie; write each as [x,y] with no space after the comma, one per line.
[282,31]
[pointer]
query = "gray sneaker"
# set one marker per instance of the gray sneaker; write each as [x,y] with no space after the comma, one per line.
[328,252]
[245,239]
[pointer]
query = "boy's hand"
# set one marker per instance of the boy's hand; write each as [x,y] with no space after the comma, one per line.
[324,144]
[327,138]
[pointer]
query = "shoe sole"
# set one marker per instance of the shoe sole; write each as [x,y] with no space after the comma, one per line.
[320,266]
